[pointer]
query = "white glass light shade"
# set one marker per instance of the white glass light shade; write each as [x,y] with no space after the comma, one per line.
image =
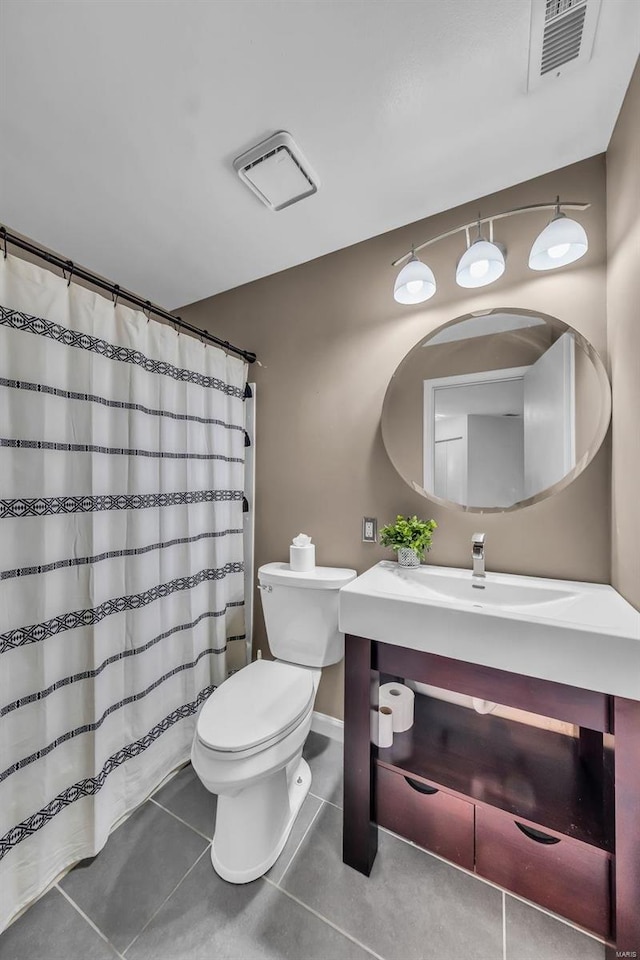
[561,242]
[481,264]
[415,283]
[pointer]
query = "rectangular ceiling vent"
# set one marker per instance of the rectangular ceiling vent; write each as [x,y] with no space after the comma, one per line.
[277,171]
[562,37]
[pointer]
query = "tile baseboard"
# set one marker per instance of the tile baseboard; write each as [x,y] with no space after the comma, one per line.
[328,726]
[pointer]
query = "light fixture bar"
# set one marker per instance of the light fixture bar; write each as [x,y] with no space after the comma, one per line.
[479,221]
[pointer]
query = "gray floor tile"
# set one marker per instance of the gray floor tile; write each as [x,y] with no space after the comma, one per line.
[207,918]
[126,882]
[533,935]
[307,812]
[186,796]
[52,930]
[412,905]
[324,757]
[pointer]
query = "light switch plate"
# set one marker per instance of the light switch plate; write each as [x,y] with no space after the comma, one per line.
[369,530]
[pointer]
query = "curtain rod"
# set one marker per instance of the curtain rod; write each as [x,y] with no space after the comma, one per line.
[116,292]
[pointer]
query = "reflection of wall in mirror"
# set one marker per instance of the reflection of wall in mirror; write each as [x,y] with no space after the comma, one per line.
[403,407]
[473,424]
[496,461]
[479,460]
[519,430]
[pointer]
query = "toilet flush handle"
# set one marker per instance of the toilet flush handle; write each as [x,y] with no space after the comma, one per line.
[265,586]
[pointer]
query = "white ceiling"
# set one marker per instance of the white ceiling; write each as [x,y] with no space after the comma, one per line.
[120,122]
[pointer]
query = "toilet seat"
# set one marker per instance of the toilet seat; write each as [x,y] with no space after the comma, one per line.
[256,707]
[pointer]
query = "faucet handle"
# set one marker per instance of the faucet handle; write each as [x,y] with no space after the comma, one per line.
[478,538]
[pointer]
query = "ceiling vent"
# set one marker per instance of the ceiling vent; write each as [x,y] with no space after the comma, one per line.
[277,171]
[562,37]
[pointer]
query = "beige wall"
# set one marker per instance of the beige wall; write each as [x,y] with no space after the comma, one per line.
[623,319]
[329,336]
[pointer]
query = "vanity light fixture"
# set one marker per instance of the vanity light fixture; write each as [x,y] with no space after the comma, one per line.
[561,242]
[415,283]
[481,263]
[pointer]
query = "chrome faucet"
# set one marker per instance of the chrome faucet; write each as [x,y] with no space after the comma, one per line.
[477,554]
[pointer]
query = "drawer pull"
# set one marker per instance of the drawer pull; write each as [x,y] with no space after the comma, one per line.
[421,787]
[536,835]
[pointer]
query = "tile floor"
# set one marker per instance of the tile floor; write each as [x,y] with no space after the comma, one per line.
[151,894]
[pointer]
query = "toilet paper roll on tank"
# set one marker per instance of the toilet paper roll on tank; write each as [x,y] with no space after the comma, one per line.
[400,699]
[302,554]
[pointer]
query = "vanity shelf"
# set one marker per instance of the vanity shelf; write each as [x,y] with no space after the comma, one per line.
[516,804]
[550,817]
[533,774]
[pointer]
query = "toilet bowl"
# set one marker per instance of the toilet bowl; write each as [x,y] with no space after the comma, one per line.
[250,732]
[248,750]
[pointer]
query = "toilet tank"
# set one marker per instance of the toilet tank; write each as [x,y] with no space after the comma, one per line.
[301,612]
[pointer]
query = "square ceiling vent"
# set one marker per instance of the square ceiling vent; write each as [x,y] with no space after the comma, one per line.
[277,171]
[562,37]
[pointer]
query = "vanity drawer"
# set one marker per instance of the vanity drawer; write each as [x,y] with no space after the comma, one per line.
[566,876]
[432,819]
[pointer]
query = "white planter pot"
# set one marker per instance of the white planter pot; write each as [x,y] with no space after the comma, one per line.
[408,557]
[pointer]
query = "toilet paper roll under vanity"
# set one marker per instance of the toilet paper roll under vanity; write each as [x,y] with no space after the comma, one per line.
[400,699]
[382,726]
[302,554]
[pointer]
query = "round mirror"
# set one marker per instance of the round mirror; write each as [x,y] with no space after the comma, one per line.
[495,411]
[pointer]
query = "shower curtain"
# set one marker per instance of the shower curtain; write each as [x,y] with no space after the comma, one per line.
[121,562]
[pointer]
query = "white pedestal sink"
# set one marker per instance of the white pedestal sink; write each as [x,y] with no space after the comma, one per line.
[582,634]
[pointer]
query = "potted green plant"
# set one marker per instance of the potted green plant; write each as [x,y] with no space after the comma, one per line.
[409,537]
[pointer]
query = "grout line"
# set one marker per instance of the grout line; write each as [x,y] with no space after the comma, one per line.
[436,856]
[476,876]
[63,871]
[313,820]
[87,919]
[180,820]
[504,926]
[155,914]
[556,916]
[329,923]
[324,800]
[489,883]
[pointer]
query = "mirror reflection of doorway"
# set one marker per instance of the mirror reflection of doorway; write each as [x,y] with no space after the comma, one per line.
[497,437]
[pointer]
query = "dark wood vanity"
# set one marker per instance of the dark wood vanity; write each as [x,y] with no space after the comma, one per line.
[551,817]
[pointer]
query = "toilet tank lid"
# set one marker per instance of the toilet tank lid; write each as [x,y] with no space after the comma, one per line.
[320,578]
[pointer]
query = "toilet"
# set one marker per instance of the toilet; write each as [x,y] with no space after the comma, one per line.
[249,736]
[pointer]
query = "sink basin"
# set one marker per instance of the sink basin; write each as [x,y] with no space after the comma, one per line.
[582,634]
[493,590]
